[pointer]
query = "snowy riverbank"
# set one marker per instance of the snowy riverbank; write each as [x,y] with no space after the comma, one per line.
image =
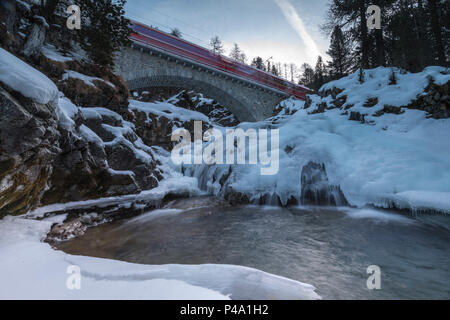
[31,269]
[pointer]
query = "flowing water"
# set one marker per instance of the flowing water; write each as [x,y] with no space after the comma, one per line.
[328,248]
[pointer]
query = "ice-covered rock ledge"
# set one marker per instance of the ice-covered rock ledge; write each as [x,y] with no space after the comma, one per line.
[417,202]
[397,159]
[80,215]
[31,269]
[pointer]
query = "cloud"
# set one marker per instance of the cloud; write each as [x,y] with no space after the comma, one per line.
[297,24]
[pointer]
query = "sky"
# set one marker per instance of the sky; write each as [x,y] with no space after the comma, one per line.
[287,30]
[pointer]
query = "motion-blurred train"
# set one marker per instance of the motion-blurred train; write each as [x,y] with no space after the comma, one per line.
[176,46]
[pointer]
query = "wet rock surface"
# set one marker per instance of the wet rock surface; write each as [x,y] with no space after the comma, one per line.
[316,189]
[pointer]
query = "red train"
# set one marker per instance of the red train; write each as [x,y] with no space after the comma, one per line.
[155,38]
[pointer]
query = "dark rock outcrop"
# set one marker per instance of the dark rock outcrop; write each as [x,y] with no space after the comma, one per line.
[36,38]
[316,189]
[356,116]
[110,92]
[29,143]
[91,169]
[43,161]
[435,101]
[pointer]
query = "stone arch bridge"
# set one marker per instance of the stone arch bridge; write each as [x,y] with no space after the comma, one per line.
[156,59]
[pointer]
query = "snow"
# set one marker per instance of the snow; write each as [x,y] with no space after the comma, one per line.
[119,133]
[173,183]
[201,100]
[90,113]
[376,84]
[121,172]
[66,112]
[86,79]
[377,215]
[41,20]
[399,159]
[141,151]
[167,110]
[31,269]
[104,112]
[368,162]
[24,4]
[419,201]
[52,53]
[90,135]
[21,77]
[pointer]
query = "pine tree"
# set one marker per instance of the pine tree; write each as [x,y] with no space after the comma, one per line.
[446,29]
[293,71]
[48,9]
[216,45]
[352,15]
[308,76]
[319,74]
[380,59]
[275,71]
[434,8]
[361,75]
[258,63]
[340,54]
[176,33]
[392,78]
[363,35]
[413,34]
[235,53]
[242,58]
[105,29]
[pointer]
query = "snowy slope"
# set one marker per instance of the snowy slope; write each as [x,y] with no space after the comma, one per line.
[376,85]
[398,160]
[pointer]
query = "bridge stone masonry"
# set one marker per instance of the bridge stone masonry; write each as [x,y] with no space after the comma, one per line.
[145,67]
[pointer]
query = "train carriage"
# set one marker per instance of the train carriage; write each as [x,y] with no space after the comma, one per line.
[155,38]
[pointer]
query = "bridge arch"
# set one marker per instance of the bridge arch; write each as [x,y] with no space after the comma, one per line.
[177,81]
[143,67]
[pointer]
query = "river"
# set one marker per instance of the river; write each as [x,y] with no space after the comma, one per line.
[330,248]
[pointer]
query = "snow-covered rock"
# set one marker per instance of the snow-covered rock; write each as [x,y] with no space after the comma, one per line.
[54,151]
[21,77]
[386,90]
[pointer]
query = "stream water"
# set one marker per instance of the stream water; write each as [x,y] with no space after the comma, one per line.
[328,248]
